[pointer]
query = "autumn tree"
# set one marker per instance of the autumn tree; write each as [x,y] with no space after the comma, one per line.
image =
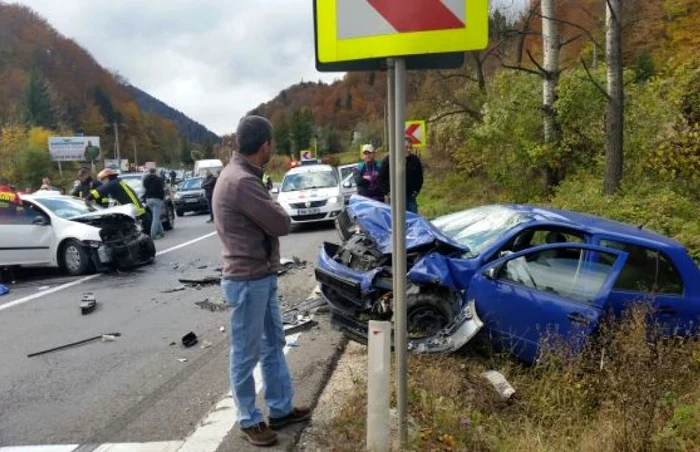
[36,103]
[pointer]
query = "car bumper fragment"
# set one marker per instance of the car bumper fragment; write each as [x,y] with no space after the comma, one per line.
[130,254]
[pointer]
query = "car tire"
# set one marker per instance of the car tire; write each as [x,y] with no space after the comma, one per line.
[74,258]
[169,222]
[427,314]
[180,212]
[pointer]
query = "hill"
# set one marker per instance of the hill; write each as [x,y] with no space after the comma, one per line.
[188,128]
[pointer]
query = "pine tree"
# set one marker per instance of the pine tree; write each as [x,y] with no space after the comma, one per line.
[36,104]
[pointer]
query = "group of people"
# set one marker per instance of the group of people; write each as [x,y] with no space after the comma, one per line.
[373,177]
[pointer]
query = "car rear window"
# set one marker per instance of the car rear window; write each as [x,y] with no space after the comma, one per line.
[646,270]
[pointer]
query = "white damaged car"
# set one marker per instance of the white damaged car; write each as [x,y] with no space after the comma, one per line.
[311,193]
[61,231]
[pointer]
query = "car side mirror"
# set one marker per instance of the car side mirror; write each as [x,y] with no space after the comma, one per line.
[492,272]
[40,221]
[347,185]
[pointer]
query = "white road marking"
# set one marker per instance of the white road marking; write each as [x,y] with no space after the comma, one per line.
[182,245]
[208,435]
[90,277]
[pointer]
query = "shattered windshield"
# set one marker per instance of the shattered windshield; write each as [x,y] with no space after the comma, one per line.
[68,207]
[192,184]
[309,180]
[479,227]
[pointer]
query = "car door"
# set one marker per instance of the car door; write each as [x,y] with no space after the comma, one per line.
[557,290]
[26,239]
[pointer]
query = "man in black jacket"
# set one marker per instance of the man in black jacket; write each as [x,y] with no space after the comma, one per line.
[414,177]
[87,183]
[208,186]
[154,200]
[118,190]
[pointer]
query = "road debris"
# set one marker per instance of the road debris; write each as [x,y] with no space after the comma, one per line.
[500,384]
[200,279]
[173,289]
[189,339]
[290,264]
[222,329]
[172,343]
[109,338]
[182,360]
[212,306]
[4,290]
[43,288]
[205,344]
[113,336]
[88,303]
[302,324]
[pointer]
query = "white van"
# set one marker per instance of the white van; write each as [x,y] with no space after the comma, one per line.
[213,165]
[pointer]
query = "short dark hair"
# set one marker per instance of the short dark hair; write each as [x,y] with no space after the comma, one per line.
[252,133]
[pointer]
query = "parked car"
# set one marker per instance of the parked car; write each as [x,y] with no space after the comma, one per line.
[311,193]
[347,177]
[190,197]
[62,231]
[167,211]
[516,271]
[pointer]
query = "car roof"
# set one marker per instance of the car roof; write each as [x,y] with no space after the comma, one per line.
[310,169]
[593,224]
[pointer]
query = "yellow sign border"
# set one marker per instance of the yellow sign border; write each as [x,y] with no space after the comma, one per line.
[331,49]
[424,129]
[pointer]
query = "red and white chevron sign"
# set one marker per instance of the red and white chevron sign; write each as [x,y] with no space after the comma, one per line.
[363,18]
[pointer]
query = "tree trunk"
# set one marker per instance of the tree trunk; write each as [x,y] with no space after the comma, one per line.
[479,68]
[551,47]
[615,108]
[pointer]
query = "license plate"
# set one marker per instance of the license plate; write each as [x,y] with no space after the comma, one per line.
[308,211]
[191,200]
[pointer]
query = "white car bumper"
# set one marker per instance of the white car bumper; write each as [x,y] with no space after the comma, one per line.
[313,213]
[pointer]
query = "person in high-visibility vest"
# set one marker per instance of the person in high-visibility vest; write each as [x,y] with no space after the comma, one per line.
[118,190]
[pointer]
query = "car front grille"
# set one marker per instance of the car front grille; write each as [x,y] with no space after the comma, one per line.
[302,205]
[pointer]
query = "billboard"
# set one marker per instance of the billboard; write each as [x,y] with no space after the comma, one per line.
[66,149]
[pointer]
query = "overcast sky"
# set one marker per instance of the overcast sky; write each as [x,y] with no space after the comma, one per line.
[214,60]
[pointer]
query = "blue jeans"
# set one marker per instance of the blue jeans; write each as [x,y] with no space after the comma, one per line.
[155,205]
[257,334]
[411,204]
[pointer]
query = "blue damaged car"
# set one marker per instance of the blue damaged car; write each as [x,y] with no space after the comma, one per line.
[514,272]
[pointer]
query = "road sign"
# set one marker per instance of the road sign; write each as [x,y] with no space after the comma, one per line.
[306,155]
[350,30]
[416,132]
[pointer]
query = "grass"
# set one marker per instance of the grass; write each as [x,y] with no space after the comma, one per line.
[628,390]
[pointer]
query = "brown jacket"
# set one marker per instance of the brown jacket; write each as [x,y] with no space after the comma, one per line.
[248,221]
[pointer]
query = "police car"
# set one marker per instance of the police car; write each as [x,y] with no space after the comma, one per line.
[311,192]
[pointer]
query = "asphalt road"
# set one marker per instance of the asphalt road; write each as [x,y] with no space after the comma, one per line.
[136,389]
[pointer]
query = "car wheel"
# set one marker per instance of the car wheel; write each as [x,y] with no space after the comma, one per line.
[428,314]
[169,222]
[180,212]
[74,258]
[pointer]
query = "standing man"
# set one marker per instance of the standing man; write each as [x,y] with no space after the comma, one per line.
[367,175]
[208,186]
[173,177]
[414,177]
[46,185]
[249,224]
[154,195]
[85,183]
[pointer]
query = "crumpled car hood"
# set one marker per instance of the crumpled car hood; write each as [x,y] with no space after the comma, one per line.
[375,218]
[125,210]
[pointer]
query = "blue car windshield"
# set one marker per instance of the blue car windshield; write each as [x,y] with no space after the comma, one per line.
[479,227]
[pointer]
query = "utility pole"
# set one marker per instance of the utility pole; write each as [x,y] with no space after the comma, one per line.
[136,160]
[117,155]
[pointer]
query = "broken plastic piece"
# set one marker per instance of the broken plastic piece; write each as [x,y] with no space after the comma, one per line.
[205,344]
[4,290]
[189,339]
[499,383]
[182,360]
[109,338]
[88,303]
[222,329]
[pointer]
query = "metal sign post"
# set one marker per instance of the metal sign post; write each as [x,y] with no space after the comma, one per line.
[398,221]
